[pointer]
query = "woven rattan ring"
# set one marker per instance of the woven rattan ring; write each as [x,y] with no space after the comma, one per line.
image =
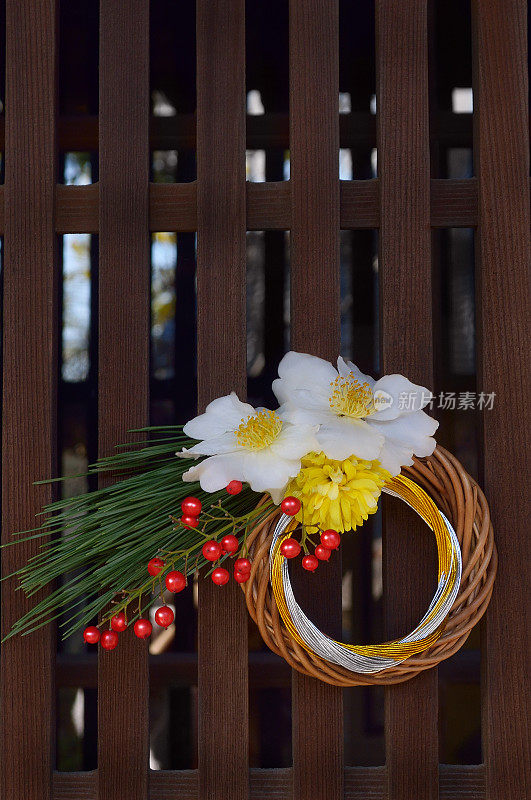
[459,497]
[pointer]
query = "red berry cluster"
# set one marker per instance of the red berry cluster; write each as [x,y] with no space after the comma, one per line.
[191,508]
[290,548]
[330,540]
[175,581]
[213,550]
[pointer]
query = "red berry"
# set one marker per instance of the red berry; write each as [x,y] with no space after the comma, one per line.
[290,548]
[330,539]
[220,576]
[242,565]
[189,522]
[119,622]
[91,635]
[143,628]
[211,550]
[291,506]
[164,616]
[310,563]
[191,507]
[175,581]
[234,487]
[109,640]
[241,577]
[322,553]
[230,544]
[155,566]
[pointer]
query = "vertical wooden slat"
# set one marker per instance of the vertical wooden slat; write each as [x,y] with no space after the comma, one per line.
[406,347]
[29,383]
[502,168]
[314,154]
[123,354]
[221,346]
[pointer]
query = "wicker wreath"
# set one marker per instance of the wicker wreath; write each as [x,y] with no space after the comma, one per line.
[462,501]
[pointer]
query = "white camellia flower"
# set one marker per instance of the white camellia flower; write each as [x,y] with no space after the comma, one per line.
[257,446]
[356,415]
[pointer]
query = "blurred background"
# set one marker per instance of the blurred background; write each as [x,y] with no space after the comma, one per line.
[173,310]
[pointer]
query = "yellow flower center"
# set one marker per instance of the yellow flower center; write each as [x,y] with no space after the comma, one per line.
[259,431]
[337,494]
[350,398]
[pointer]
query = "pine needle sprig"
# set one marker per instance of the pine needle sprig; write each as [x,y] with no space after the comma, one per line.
[96,546]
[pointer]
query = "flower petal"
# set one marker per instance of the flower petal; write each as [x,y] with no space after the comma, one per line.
[410,429]
[403,396]
[277,495]
[345,368]
[263,470]
[304,380]
[281,390]
[225,443]
[410,434]
[290,412]
[394,456]
[341,438]
[295,441]
[221,415]
[305,369]
[216,472]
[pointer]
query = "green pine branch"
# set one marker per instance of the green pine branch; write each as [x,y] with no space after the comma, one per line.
[96,546]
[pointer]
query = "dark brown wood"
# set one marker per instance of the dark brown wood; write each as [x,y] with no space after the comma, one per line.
[268,206]
[314,152]
[361,783]
[359,204]
[266,670]
[502,275]
[406,347]
[77,208]
[123,208]
[75,785]
[124,292]
[315,220]
[221,353]
[454,203]
[173,207]
[30,282]
[461,783]
[356,130]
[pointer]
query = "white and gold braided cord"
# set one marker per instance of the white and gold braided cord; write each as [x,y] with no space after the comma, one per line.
[375,658]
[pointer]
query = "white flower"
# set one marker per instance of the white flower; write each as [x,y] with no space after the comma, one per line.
[246,444]
[356,415]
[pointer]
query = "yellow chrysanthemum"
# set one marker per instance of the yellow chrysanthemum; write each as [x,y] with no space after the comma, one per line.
[337,494]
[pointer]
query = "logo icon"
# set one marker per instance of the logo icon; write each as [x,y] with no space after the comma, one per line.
[382,400]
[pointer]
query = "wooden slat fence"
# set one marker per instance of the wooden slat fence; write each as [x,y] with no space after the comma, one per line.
[123,354]
[405,204]
[29,381]
[406,338]
[317,709]
[503,303]
[221,353]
